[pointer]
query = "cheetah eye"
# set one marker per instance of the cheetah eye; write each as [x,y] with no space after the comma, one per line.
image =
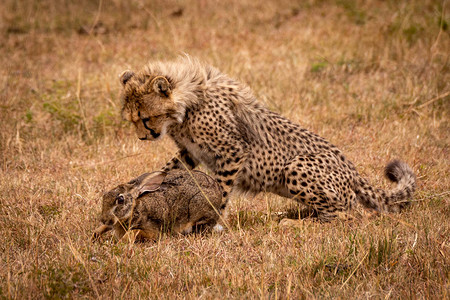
[144,121]
[120,199]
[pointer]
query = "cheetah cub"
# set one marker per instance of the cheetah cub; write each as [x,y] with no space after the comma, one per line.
[217,121]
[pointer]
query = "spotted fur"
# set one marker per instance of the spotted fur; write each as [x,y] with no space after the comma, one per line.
[216,120]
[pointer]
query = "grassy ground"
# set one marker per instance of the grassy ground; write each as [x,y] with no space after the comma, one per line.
[371,76]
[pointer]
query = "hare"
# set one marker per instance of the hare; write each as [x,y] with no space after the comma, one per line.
[161,202]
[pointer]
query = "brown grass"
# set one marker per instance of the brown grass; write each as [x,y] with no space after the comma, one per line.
[371,76]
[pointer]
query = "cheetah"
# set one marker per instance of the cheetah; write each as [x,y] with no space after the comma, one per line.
[217,121]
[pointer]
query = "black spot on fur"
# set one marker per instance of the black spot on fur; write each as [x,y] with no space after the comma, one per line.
[189,161]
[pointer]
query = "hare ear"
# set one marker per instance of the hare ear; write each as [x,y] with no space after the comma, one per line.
[161,86]
[125,76]
[138,180]
[152,183]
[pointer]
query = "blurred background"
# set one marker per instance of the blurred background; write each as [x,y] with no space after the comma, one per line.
[370,76]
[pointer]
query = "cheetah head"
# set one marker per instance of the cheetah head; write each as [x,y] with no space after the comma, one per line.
[148,104]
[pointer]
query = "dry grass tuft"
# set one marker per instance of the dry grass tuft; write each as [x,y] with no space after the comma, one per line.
[371,76]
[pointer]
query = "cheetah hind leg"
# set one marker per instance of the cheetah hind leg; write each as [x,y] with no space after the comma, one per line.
[315,190]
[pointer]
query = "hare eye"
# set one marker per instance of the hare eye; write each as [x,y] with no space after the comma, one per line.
[120,199]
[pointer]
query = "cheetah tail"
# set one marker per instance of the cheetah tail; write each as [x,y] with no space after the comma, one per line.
[392,200]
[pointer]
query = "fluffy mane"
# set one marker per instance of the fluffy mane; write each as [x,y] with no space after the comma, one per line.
[187,76]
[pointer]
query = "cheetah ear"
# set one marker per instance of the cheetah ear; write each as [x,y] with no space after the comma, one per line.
[161,86]
[151,183]
[125,76]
